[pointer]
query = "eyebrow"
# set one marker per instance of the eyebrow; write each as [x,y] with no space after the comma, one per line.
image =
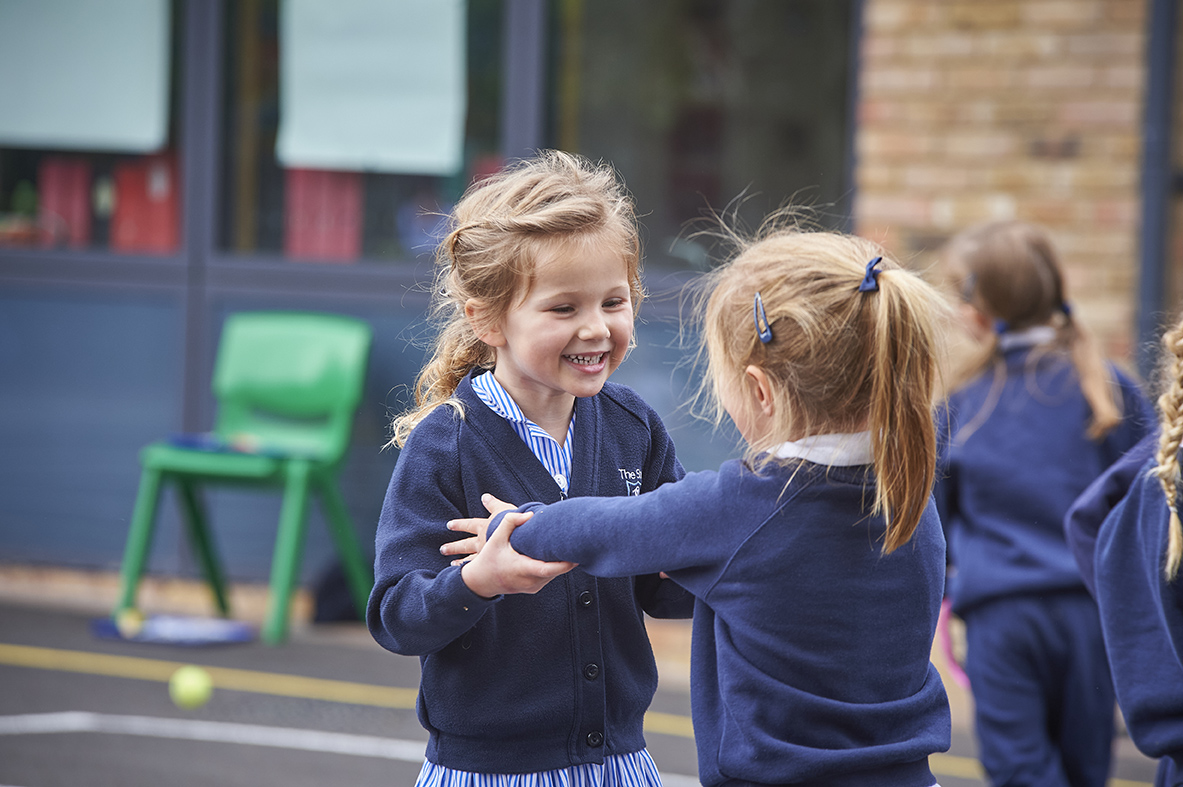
[614,292]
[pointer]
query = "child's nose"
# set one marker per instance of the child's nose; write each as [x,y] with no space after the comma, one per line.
[594,327]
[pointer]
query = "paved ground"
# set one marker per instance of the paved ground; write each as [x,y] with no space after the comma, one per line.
[329,707]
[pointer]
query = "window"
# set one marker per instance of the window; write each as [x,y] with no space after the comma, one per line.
[86,148]
[349,127]
[704,102]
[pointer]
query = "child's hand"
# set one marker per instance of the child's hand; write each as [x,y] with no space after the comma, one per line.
[498,568]
[478,528]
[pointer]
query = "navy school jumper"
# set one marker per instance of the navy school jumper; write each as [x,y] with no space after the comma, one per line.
[810,651]
[520,683]
[1004,490]
[1142,616]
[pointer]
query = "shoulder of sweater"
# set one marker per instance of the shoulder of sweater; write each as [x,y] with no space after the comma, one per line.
[628,400]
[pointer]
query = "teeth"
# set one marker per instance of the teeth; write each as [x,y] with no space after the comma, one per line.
[585,359]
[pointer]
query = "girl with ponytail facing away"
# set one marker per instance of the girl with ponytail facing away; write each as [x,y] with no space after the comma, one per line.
[1137,582]
[1034,417]
[817,561]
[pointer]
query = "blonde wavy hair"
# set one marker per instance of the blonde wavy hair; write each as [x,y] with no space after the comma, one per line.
[1010,272]
[840,360]
[500,228]
[1170,408]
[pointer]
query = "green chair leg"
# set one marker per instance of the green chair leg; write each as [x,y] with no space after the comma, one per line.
[139,538]
[200,537]
[289,545]
[358,571]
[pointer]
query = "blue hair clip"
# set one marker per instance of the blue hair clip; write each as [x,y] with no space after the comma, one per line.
[1064,307]
[1001,327]
[763,329]
[870,282]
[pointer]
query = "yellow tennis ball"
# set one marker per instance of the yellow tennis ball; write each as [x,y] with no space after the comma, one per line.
[190,687]
[129,622]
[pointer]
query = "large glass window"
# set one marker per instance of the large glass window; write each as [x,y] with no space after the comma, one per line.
[350,126]
[87,153]
[707,102]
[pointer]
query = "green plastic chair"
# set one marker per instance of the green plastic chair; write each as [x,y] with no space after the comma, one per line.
[287,386]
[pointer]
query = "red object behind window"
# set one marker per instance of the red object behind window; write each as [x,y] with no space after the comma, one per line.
[322,215]
[63,215]
[146,216]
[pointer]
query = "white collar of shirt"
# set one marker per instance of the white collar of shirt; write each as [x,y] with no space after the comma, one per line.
[834,450]
[1028,337]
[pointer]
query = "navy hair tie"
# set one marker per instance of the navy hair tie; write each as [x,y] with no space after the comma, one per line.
[1064,307]
[763,329]
[870,282]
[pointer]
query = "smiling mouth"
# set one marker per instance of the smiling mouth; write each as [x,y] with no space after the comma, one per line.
[586,360]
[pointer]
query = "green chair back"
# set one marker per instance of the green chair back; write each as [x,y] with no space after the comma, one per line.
[291,381]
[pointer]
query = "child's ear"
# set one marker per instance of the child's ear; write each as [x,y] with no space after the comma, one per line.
[761,389]
[485,329]
[976,322]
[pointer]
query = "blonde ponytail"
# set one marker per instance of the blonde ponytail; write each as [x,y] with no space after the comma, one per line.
[1097,383]
[904,376]
[1170,406]
[840,360]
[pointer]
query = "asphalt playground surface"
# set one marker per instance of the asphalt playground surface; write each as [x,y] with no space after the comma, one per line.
[328,707]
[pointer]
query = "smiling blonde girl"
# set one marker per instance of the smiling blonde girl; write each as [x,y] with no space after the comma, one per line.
[538,287]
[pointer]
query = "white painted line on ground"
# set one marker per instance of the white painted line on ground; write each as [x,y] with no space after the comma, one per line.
[220,732]
[228,732]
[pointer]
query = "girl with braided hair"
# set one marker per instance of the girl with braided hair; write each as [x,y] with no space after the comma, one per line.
[537,290]
[1033,420]
[1135,569]
[1170,405]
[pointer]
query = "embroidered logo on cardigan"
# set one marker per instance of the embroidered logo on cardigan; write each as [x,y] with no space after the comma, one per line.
[632,481]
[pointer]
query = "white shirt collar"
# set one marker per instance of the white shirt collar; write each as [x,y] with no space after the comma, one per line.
[835,450]
[1028,337]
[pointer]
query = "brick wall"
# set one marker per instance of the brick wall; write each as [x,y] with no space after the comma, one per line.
[974,110]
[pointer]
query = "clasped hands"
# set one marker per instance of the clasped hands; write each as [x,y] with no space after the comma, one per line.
[492,566]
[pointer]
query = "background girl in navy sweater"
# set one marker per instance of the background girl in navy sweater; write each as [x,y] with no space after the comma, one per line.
[1135,572]
[537,291]
[1036,417]
[817,562]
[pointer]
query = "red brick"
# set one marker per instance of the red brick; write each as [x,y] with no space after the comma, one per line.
[1062,14]
[1116,113]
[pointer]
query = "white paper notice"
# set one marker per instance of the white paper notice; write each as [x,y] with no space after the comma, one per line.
[84,75]
[372,85]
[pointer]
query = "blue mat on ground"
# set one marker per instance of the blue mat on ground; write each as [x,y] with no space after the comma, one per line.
[178,630]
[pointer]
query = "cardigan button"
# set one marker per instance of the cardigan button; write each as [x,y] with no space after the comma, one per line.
[595,739]
[591,671]
[586,598]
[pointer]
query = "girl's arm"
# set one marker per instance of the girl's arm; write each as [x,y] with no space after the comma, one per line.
[1084,518]
[686,529]
[419,602]
[659,596]
[498,569]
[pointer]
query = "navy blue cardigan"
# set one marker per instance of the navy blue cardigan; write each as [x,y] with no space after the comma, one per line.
[810,651]
[1142,616]
[532,682]
[1003,490]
